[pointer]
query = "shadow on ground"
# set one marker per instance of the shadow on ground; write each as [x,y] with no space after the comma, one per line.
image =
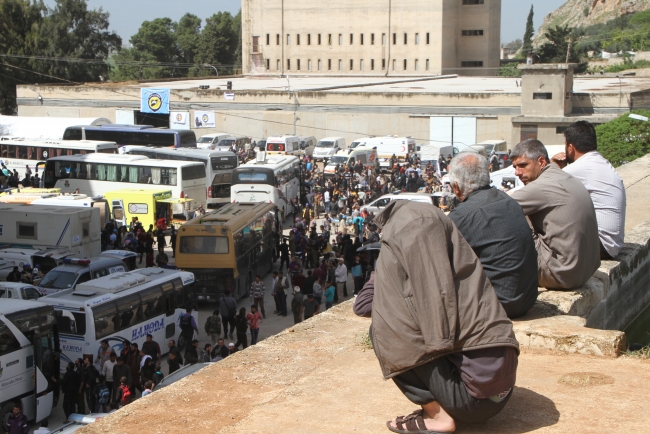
[526,411]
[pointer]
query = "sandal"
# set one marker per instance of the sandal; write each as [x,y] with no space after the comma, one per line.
[411,424]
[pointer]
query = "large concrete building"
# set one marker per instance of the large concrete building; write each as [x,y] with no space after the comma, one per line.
[369,37]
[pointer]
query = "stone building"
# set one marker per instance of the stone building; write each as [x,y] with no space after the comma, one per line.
[366,37]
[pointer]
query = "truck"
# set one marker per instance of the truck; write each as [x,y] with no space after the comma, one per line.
[147,205]
[51,227]
[29,338]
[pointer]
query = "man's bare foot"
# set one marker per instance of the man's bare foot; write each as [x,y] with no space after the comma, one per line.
[438,423]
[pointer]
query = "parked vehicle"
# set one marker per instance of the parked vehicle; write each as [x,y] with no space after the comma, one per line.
[367,156]
[18,291]
[289,145]
[75,271]
[328,147]
[380,203]
[210,141]
[307,144]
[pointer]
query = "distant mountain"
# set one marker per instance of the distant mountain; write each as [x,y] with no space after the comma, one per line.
[584,13]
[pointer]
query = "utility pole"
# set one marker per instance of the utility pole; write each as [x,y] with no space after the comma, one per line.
[568,51]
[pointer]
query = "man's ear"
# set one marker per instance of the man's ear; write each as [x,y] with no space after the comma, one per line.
[543,162]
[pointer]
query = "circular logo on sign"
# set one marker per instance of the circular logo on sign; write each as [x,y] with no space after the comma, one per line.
[205,118]
[133,208]
[44,154]
[179,117]
[154,102]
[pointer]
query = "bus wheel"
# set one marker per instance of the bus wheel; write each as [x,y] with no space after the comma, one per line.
[5,412]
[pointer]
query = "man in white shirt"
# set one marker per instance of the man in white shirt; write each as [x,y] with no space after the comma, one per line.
[341,276]
[107,370]
[326,200]
[582,161]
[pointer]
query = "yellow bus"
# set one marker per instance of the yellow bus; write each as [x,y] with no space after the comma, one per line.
[227,248]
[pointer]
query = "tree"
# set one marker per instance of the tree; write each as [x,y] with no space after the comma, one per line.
[556,48]
[624,139]
[218,42]
[188,33]
[528,34]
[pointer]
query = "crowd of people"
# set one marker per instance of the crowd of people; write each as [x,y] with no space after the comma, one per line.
[12,179]
[454,353]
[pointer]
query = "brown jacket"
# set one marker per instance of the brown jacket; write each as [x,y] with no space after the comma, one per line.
[565,229]
[432,297]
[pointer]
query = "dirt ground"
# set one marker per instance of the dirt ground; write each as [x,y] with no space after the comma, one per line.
[320,377]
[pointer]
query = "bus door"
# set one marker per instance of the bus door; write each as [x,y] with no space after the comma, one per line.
[117,205]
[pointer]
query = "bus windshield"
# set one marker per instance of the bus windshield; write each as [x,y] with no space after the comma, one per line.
[59,279]
[223,163]
[257,177]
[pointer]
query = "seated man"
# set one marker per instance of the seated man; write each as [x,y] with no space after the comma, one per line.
[600,179]
[562,217]
[495,227]
[438,329]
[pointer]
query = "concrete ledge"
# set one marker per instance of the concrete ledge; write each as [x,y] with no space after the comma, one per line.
[568,334]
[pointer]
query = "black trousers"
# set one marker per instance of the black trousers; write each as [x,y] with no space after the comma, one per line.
[242,339]
[69,404]
[439,380]
[225,321]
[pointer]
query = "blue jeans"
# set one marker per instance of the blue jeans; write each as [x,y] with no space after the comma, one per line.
[254,333]
[328,304]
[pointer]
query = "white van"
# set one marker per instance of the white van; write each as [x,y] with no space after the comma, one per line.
[492,145]
[388,146]
[281,145]
[44,260]
[75,271]
[209,141]
[328,147]
[378,205]
[367,156]
[308,144]
[359,142]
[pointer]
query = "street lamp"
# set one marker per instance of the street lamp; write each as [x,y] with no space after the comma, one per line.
[213,67]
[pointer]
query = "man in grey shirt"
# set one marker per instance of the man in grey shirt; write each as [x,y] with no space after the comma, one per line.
[495,227]
[562,216]
[582,160]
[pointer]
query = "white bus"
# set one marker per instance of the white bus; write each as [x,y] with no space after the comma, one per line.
[17,154]
[121,308]
[218,167]
[96,175]
[28,340]
[273,179]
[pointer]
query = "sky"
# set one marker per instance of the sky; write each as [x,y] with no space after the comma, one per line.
[127,15]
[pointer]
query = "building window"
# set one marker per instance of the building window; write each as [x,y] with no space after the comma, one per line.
[288,39]
[416,64]
[26,230]
[277,39]
[308,38]
[329,64]
[319,39]
[288,64]
[361,65]
[329,39]
[528,132]
[404,64]
[383,39]
[427,64]
[278,64]
[394,65]
[560,130]
[268,39]
[298,39]
[473,2]
[268,64]
[340,65]
[472,64]
[394,38]
[417,39]
[372,39]
[340,39]
[320,66]
[351,38]
[406,36]
[383,64]
[542,95]
[256,44]
[298,65]
[309,65]
[351,64]
[361,38]
[428,39]
[372,64]
[472,32]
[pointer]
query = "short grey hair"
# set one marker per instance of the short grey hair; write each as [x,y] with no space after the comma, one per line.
[531,148]
[470,170]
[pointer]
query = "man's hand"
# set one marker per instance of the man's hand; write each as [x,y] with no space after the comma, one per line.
[559,159]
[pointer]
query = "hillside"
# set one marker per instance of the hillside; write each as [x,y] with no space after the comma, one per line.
[585,13]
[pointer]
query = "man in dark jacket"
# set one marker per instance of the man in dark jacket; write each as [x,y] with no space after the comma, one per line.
[70,388]
[191,353]
[120,370]
[17,422]
[495,227]
[455,355]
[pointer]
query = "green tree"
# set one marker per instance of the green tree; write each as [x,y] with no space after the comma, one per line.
[218,42]
[528,34]
[557,46]
[188,33]
[624,139]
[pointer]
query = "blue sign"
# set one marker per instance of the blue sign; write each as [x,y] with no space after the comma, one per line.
[154,100]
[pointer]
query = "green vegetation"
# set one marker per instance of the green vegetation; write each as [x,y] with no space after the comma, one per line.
[628,64]
[643,353]
[509,70]
[624,139]
[528,34]
[625,33]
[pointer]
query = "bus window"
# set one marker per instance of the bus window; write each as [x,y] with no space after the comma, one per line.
[204,245]
[72,133]
[107,321]
[129,309]
[193,172]
[178,290]
[8,342]
[71,323]
[149,306]
[167,302]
